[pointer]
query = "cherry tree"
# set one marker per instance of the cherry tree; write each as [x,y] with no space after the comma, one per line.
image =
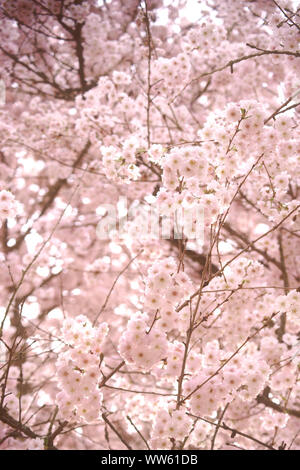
[122,324]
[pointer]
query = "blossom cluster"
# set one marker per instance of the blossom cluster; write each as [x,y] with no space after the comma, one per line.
[8,204]
[78,369]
